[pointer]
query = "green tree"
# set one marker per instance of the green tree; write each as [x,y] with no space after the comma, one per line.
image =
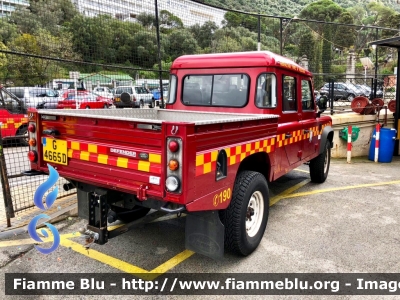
[44,14]
[168,21]
[327,49]
[321,10]
[3,63]
[307,47]
[380,13]
[345,36]
[8,31]
[203,33]
[145,51]
[181,42]
[147,20]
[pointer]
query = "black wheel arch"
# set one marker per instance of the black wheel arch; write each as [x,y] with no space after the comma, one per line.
[258,162]
[327,134]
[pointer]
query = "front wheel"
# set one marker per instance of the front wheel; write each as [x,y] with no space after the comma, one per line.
[319,166]
[246,217]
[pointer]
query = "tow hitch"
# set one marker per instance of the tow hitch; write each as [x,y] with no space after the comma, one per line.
[97,232]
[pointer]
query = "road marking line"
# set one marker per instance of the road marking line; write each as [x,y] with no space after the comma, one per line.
[340,189]
[173,262]
[17,243]
[103,258]
[285,193]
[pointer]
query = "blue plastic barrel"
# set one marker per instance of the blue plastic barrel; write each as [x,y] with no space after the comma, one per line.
[386,145]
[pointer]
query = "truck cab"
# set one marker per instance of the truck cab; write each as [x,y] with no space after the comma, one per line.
[259,82]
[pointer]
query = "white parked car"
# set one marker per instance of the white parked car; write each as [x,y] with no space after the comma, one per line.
[133,96]
[103,91]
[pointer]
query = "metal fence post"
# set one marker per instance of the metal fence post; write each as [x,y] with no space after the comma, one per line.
[6,187]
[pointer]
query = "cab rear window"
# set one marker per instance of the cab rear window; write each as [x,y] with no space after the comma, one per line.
[229,90]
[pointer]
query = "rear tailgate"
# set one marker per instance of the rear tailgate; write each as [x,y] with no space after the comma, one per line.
[117,154]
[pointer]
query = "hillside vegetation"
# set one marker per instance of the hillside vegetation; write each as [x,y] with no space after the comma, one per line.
[291,8]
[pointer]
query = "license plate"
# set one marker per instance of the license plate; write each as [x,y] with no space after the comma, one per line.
[55,151]
[117,99]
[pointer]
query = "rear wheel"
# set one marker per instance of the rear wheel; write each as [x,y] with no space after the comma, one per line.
[105,106]
[319,166]
[246,217]
[87,107]
[129,215]
[141,104]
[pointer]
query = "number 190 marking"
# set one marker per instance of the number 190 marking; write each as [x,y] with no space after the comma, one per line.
[222,197]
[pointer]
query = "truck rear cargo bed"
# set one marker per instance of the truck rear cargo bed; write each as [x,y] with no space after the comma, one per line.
[158,116]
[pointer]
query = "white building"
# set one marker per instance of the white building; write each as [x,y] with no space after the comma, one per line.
[188,11]
[8,6]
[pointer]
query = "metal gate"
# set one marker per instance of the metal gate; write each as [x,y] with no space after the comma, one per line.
[18,189]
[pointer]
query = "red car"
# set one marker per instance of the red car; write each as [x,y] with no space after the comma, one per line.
[85,99]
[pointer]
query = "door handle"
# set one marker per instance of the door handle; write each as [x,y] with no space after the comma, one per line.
[306,131]
[288,135]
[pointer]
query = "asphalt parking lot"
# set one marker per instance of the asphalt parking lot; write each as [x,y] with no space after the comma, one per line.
[349,224]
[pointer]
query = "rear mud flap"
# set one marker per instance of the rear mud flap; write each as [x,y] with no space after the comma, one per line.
[205,234]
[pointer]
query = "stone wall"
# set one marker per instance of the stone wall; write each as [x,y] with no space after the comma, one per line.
[366,123]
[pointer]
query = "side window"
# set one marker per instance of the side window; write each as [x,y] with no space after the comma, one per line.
[9,103]
[230,90]
[18,92]
[266,91]
[172,89]
[307,101]
[289,93]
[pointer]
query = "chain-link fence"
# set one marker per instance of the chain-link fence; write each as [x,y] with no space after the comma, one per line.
[98,46]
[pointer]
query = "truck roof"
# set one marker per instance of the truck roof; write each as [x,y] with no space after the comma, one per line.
[237,60]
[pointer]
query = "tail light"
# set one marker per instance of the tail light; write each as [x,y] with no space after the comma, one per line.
[32,142]
[173,182]
[32,156]
[173,146]
[173,165]
[32,135]
[32,128]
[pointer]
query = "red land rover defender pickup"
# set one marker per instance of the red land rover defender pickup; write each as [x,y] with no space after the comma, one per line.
[233,122]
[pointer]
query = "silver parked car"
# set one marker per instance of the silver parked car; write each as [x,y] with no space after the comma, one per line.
[133,96]
[36,97]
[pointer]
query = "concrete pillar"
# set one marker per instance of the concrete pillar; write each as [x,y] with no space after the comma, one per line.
[304,62]
[351,65]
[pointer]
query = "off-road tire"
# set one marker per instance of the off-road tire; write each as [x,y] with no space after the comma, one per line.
[250,187]
[126,99]
[126,215]
[319,166]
